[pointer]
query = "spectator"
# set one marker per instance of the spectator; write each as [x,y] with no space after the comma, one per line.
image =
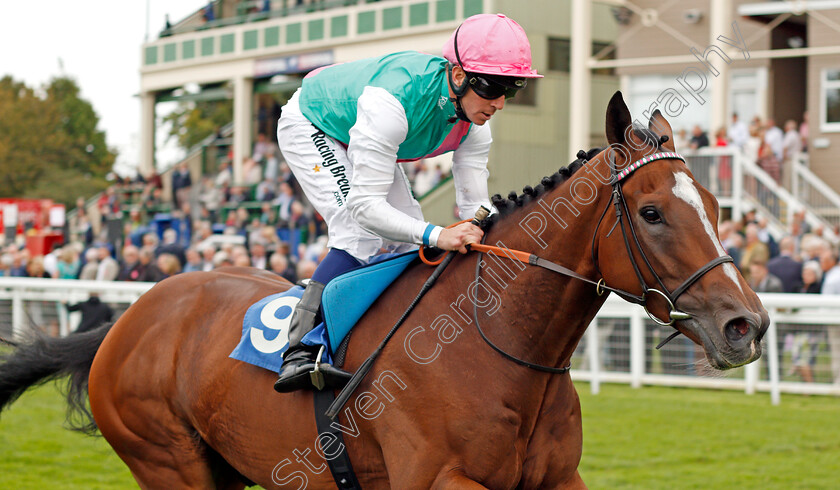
[181,183]
[774,138]
[251,171]
[305,269]
[194,262]
[211,198]
[131,267]
[88,272]
[720,138]
[831,272]
[265,191]
[262,148]
[698,139]
[94,312]
[207,254]
[51,260]
[18,266]
[785,266]
[35,268]
[761,281]
[803,132]
[280,266]
[765,236]
[811,278]
[768,159]
[221,259]
[224,177]
[284,201]
[68,263]
[258,256]
[108,268]
[738,132]
[171,246]
[5,265]
[791,146]
[754,251]
[149,271]
[168,264]
[831,285]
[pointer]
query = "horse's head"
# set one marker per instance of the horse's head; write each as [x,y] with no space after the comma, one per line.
[667,242]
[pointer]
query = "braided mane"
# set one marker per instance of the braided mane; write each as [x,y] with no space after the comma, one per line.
[513,201]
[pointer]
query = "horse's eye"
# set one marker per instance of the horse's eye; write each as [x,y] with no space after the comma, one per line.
[651,215]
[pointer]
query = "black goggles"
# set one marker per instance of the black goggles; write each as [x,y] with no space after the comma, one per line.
[489,89]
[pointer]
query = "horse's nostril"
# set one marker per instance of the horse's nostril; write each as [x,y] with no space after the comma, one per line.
[737,329]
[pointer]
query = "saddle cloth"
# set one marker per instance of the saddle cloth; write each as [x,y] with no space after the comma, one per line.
[265,327]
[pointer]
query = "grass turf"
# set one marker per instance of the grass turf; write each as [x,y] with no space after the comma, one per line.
[647,438]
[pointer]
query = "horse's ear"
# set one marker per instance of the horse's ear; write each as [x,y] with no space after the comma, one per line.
[659,126]
[618,119]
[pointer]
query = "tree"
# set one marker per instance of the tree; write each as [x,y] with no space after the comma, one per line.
[49,144]
[192,122]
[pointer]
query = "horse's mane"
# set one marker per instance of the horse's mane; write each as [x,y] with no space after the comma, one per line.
[513,201]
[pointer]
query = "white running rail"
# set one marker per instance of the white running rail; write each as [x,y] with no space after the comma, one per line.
[618,347]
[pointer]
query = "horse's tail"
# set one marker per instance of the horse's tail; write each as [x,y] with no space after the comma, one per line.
[44,359]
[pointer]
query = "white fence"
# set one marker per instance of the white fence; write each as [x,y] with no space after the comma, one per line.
[618,346]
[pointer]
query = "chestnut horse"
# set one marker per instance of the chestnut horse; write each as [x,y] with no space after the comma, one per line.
[440,408]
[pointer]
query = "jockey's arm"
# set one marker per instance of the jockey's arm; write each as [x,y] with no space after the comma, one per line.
[381,126]
[469,171]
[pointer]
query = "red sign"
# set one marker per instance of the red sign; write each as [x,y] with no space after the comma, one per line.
[31,213]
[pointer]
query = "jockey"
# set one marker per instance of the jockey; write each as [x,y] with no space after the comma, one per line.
[343,132]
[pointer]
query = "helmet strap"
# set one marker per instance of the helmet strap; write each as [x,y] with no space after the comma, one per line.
[459,92]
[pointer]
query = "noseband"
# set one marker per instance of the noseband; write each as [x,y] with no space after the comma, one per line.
[622,210]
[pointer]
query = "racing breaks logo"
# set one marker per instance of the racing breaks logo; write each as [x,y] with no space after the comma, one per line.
[331,163]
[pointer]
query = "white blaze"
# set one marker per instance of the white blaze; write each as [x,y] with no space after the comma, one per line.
[685,190]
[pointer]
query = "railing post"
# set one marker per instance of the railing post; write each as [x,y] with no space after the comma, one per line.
[63,325]
[592,352]
[637,348]
[796,164]
[750,377]
[737,185]
[17,314]
[773,358]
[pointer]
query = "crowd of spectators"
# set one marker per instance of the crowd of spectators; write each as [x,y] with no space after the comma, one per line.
[208,222]
[763,142]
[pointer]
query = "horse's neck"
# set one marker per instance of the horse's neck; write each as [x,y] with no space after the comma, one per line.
[544,313]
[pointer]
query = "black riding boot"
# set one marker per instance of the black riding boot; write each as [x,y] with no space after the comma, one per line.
[299,361]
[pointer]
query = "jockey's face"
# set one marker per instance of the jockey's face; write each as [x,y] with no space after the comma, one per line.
[480,110]
[477,109]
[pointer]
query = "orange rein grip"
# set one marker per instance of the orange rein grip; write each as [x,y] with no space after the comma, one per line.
[438,261]
[503,253]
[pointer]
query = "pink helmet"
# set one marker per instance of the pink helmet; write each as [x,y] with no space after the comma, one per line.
[491,44]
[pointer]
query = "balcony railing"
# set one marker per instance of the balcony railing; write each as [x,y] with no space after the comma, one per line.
[300,28]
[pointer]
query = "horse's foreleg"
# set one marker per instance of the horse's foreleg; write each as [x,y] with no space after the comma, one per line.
[452,480]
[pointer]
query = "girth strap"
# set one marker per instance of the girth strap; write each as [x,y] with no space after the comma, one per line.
[340,467]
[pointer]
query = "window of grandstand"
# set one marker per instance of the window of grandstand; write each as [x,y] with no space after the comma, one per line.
[830,113]
[560,55]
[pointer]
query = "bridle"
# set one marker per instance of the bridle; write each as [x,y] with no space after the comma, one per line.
[621,210]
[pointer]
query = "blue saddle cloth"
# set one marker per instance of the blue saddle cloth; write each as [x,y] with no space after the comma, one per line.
[265,328]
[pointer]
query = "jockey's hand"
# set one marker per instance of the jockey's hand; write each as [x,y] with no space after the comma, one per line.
[456,238]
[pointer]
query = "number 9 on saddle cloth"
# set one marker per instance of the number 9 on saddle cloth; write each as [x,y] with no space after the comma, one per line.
[265,327]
